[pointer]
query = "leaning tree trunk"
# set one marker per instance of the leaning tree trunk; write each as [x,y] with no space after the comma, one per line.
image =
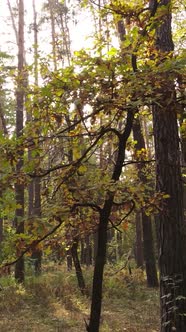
[172,236]
[77,265]
[148,241]
[19,186]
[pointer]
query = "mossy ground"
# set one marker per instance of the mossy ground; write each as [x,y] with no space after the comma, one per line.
[52,302]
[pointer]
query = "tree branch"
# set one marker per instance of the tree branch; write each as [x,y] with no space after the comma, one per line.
[138,162]
[35,243]
[130,211]
[91,205]
[103,131]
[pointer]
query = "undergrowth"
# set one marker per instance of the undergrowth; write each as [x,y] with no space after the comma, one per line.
[52,302]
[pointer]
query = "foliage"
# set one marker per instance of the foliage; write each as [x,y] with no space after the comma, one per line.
[75,115]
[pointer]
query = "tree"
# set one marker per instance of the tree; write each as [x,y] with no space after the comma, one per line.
[83,115]
[148,242]
[19,186]
[34,186]
[102,229]
[139,256]
[172,236]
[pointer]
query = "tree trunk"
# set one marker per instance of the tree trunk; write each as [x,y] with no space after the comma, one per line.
[100,260]
[148,242]
[149,255]
[34,189]
[172,234]
[19,186]
[77,265]
[52,18]
[69,260]
[1,227]
[82,251]
[95,241]
[88,251]
[139,242]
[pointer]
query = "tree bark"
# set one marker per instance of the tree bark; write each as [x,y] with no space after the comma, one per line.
[172,235]
[148,242]
[19,185]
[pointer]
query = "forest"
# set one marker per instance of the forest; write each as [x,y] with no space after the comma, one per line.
[93,166]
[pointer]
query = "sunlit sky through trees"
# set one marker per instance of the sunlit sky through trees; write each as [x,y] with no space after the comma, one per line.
[79,25]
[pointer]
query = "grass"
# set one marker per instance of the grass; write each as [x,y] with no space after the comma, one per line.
[53,303]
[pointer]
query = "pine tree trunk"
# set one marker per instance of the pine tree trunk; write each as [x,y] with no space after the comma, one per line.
[69,260]
[53,30]
[148,242]
[172,235]
[82,251]
[1,227]
[88,256]
[149,255]
[95,248]
[139,242]
[19,186]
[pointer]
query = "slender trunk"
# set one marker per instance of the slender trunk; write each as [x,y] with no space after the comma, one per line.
[148,242]
[119,239]
[139,242]
[1,226]
[77,265]
[3,120]
[52,18]
[100,260]
[88,251]
[13,21]
[149,255]
[66,49]
[19,186]
[172,230]
[3,129]
[34,188]
[37,253]
[82,252]
[69,260]
[95,249]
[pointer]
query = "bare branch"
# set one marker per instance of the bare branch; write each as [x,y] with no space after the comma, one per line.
[91,205]
[139,162]
[130,211]
[103,131]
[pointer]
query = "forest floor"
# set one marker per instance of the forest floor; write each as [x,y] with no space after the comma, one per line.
[52,303]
